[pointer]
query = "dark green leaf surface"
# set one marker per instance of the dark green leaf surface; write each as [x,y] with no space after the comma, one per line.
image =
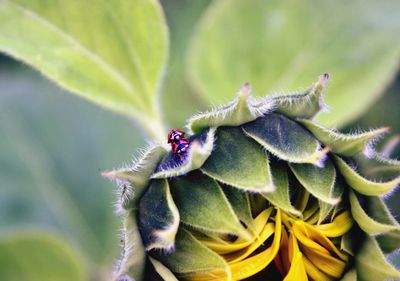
[319,181]
[284,138]
[240,203]
[239,161]
[191,256]
[281,196]
[158,216]
[343,144]
[199,198]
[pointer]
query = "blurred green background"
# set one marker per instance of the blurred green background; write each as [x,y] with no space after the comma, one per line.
[53,145]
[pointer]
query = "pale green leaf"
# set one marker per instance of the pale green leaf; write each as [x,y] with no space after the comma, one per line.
[281,196]
[303,105]
[241,110]
[285,139]
[116,59]
[52,147]
[344,144]
[350,276]
[202,204]
[278,45]
[134,257]
[347,242]
[361,184]
[132,181]
[238,161]
[39,256]
[158,216]
[191,256]
[371,264]
[162,270]
[378,220]
[319,181]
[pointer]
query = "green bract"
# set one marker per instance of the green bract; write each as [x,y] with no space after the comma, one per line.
[262,191]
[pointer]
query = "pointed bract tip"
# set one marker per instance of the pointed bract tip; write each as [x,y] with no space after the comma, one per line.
[245,90]
[323,79]
[107,174]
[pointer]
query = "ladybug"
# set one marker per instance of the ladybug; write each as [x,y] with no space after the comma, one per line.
[179,144]
[175,135]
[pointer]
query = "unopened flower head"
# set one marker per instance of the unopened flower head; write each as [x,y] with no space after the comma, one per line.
[259,191]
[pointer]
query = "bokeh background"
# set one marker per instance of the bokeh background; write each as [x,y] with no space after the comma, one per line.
[53,145]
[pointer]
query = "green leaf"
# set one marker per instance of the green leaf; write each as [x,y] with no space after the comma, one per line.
[162,270]
[191,256]
[241,110]
[350,276]
[281,196]
[199,198]
[241,205]
[377,167]
[378,220]
[371,264]
[39,256]
[319,181]
[304,105]
[112,61]
[344,144]
[325,208]
[347,243]
[238,161]
[389,241]
[199,150]
[159,216]
[134,257]
[50,163]
[361,184]
[285,139]
[283,44]
[133,181]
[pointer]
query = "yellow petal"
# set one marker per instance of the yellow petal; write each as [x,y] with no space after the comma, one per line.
[314,272]
[341,224]
[282,258]
[264,235]
[254,264]
[320,250]
[241,243]
[297,271]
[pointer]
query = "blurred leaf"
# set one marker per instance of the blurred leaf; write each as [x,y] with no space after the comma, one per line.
[180,101]
[39,256]
[285,44]
[115,59]
[52,147]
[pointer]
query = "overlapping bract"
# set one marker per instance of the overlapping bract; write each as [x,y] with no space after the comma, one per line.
[262,190]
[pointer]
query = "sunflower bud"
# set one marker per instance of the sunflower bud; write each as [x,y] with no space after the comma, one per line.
[262,192]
